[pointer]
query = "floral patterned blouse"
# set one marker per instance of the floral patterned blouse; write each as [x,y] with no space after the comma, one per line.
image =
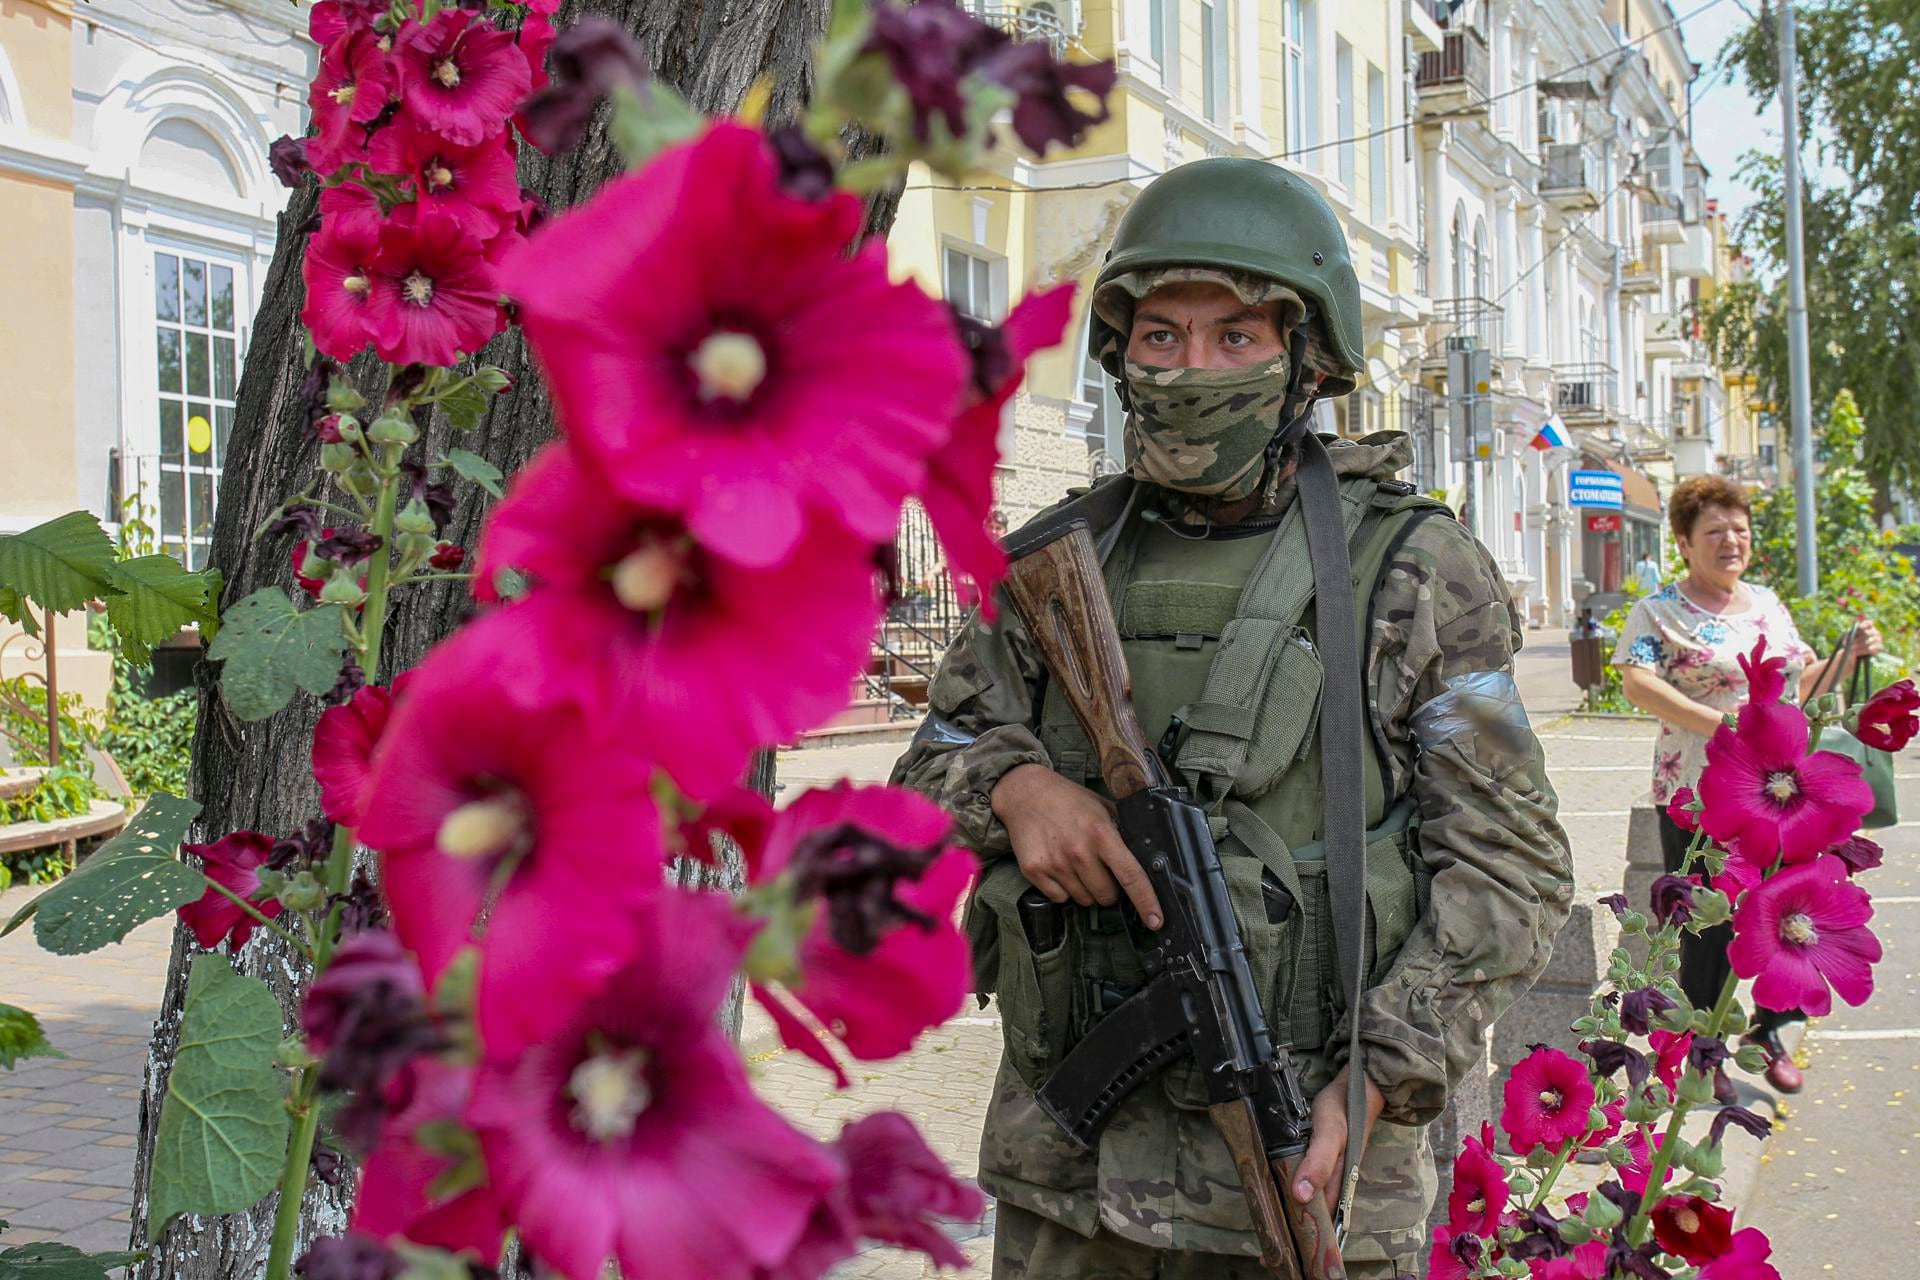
[1697,652]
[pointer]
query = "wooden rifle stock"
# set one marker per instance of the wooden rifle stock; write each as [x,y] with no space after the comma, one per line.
[1057,588]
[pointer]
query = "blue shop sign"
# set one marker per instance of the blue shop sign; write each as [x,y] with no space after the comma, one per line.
[1596,489]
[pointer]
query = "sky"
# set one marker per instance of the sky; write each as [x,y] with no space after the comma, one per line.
[1727,120]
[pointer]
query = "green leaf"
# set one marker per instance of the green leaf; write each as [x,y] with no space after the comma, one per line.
[131,879]
[475,468]
[21,1037]
[210,621]
[465,402]
[648,120]
[270,648]
[157,597]
[15,610]
[60,1262]
[59,565]
[223,1127]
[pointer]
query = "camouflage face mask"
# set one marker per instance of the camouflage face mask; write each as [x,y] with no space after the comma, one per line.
[1204,431]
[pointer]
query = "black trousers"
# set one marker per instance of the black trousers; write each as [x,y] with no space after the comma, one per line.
[1704,964]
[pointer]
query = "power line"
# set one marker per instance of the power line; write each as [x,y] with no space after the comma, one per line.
[1385,130]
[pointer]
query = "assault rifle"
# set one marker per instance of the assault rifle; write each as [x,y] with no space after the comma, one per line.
[1199,998]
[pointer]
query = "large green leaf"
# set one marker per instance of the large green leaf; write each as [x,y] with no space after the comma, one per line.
[270,648]
[21,1037]
[59,565]
[60,1262]
[157,597]
[133,878]
[465,403]
[473,467]
[223,1127]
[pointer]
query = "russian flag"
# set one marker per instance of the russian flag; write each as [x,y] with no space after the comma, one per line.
[1552,435]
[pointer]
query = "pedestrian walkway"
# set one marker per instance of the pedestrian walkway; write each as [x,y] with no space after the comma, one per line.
[67,1126]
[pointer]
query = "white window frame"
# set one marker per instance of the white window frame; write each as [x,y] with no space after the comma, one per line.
[1344,111]
[1299,60]
[1214,60]
[1379,144]
[148,471]
[978,261]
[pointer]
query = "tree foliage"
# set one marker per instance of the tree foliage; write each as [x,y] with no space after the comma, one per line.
[1857,61]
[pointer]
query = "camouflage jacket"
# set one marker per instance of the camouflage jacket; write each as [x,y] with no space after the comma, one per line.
[1501,872]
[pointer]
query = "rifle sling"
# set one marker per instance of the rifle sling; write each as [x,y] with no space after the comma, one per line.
[1342,741]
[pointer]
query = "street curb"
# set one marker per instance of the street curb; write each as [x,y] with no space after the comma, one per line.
[1741,1154]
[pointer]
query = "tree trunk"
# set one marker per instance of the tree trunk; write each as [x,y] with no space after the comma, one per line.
[256,775]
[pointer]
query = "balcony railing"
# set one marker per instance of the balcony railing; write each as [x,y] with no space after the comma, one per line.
[1461,317]
[1662,222]
[1457,76]
[1585,392]
[1566,176]
[1031,22]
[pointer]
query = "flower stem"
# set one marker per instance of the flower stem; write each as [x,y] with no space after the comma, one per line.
[259,917]
[412,578]
[1548,1178]
[339,872]
[1657,1176]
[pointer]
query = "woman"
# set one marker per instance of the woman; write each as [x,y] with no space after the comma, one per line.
[1678,658]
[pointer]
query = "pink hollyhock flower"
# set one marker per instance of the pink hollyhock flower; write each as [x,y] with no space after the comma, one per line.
[1616,1114]
[418,1146]
[1454,1255]
[351,202]
[475,185]
[1680,809]
[1801,931]
[1737,875]
[433,294]
[1640,1168]
[343,744]
[479,801]
[1745,1259]
[1548,1096]
[711,345]
[338,271]
[326,22]
[536,37]
[1859,853]
[1766,677]
[1670,1049]
[1888,721]
[1692,1228]
[883,961]
[1587,1262]
[959,488]
[350,90]
[234,861]
[460,76]
[1480,1193]
[632,1133]
[1761,788]
[672,626]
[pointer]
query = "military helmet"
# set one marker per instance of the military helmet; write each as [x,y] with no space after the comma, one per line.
[1244,216]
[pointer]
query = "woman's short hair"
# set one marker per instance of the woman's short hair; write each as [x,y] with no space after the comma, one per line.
[1694,495]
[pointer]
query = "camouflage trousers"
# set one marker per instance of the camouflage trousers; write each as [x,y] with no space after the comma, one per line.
[1027,1246]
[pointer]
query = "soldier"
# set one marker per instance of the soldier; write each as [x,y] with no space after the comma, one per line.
[1228,306]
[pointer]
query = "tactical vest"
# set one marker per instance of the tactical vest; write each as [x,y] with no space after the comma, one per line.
[1231,675]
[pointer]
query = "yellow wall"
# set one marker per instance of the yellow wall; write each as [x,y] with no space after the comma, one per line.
[40,48]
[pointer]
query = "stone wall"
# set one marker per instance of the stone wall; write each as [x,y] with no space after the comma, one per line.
[1048,457]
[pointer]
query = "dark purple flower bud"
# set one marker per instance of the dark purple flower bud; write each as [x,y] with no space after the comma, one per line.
[365,1017]
[315,385]
[589,60]
[1630,1260]
[361,906]
[349,682]
[987,347]
[1539,1238]
[856,871]
[1705,1054]
[1859,853]
[1673,899]
[438,495]
[306,848]
[348,546]
[299,519]
[326,1164]
[1639,1008]
[326,430]
[932,48]
[1627,1202]
[1043,113]
[1753,1123]
[406,382]
[1610,1056]
[349,1258]
[805,171]
[1617,903]
[287,157]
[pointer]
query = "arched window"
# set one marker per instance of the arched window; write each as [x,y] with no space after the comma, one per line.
[1480,268]
[1457,252]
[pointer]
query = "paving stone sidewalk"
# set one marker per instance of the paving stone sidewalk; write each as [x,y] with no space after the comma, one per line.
[67,1126]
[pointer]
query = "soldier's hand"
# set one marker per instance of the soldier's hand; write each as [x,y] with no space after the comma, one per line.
[1319,1172]
[1065,841]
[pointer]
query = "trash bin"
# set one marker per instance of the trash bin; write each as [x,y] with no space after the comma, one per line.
[1589,661]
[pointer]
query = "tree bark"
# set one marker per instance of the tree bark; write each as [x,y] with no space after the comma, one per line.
[256,775]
